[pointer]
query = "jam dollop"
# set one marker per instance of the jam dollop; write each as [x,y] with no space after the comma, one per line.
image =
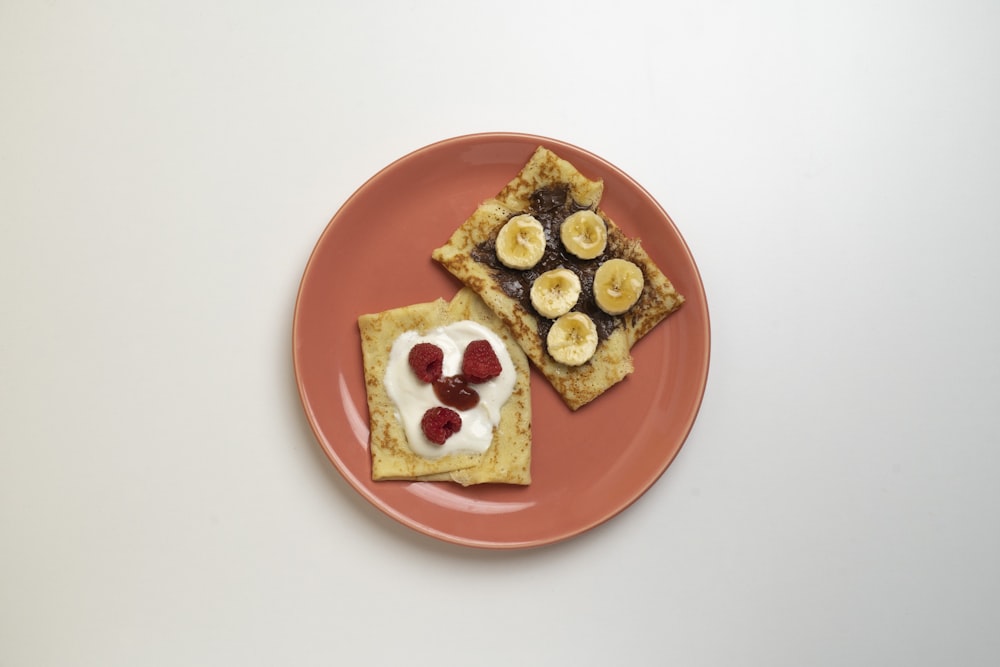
[454,391]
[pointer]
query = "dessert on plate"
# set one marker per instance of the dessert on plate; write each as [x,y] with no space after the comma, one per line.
[448,394]
[574,290]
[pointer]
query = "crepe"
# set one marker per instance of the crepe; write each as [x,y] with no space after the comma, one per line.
[469,256]
[508,459]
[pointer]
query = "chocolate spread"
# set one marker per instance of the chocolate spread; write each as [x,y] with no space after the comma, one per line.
[550,206]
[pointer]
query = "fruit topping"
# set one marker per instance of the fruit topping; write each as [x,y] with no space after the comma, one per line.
[584,234]
[521,242]
[426,360]
[572,340]
[480,362]
[555,292]
[439,424]
[617,286]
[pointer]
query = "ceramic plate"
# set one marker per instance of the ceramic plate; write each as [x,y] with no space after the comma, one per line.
[587,466]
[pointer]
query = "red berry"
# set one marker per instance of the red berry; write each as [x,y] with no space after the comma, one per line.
[439,424]
[480,362]
[425,360]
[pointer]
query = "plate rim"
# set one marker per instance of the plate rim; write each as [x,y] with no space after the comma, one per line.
[422,527]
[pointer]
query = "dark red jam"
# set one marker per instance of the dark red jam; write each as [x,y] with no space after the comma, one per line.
[454,391]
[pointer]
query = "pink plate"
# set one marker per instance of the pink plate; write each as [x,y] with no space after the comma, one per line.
[586,466]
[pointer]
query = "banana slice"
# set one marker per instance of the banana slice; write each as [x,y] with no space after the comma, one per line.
[521,242]
[572,340]
[617,286]
[555,292]
[584,234]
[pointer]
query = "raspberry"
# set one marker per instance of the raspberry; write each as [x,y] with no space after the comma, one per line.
[425,360]
[480,362]
[439,424]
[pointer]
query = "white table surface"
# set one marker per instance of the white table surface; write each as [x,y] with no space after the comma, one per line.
[166,168]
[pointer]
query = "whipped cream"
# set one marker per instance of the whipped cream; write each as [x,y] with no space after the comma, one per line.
[413,397]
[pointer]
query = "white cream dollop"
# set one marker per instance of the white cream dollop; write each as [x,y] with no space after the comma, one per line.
[413,397]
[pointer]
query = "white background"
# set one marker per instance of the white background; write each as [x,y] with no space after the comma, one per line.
[166,167]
